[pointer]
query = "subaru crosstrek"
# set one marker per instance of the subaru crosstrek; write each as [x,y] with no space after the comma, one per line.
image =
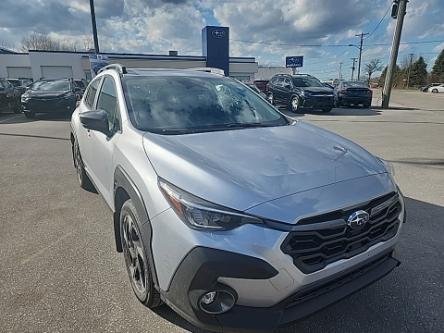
[235,216]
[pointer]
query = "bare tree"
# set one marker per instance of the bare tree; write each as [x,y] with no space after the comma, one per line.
[38,41]
[373,66]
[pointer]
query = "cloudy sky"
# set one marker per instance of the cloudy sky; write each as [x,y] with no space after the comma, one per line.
[266,29]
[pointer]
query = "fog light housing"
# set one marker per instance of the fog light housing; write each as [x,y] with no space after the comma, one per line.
[216,301]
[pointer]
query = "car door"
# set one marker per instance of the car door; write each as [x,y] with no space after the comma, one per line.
[287,88]
[83,135]
[102,145]
[278,90]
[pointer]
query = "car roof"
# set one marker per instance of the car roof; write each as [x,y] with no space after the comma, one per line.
[169,72]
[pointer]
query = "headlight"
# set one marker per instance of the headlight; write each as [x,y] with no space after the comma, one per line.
[201,214]
[24,98]
[303,93]
[388,167]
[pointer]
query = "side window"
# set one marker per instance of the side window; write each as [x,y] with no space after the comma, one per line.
[287,82]
[279,81]
[91,93]
[108,102]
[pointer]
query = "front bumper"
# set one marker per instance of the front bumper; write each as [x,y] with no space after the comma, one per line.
[49,105]
[198,274]
[320,101]
[251,263]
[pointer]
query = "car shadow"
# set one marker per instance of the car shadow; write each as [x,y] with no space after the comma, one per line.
[410,298]
[19,118]
[334,112]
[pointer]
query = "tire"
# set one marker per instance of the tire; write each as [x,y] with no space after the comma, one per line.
[295,104]
[270,98]
[29,115]
[435,91]
[82,177]
[326,110]
[136,259]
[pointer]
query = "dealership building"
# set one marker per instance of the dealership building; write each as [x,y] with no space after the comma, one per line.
[37,64]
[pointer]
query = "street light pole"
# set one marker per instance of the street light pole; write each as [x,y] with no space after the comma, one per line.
[361,36]
[94,28]
[410,69]
[401,10]
[340,71]
[353,68]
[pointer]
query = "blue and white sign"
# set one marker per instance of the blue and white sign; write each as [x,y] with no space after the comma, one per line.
[97,61]
[294,61]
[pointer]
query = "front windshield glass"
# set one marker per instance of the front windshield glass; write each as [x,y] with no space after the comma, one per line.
[307,82]
[59,85]
[15,83]
[178,105]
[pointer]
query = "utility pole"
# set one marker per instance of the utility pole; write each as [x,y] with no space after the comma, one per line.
[400,13]
[94,28]
[353,67]
[410,69]
[361,36]
[340,71]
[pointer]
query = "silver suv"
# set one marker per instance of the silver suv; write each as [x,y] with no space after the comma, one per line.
[235,216]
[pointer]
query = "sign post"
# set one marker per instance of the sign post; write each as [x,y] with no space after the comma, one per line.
[294,62]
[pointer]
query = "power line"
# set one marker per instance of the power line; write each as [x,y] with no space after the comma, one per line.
[332,45]
[380,21]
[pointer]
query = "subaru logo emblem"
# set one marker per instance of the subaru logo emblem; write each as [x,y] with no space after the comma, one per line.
[218,33]
[358,219]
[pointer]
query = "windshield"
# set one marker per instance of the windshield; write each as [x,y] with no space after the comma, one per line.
[307,82]
[178,105]
[15,83]
[60,85]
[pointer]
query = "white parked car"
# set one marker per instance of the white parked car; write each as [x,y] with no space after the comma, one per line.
[437,89]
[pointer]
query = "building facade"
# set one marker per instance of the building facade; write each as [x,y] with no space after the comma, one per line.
[37,64]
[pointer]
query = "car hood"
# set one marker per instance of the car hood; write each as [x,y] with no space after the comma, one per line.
[318,90]
[243,168]
[45,94]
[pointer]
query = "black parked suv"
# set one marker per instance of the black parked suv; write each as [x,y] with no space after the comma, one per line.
[300,91]
[9,97]
[48,96]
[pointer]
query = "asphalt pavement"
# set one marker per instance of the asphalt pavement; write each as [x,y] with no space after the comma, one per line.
[59,271]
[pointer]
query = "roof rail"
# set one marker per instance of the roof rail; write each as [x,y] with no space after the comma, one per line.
[211,70]
[118,67]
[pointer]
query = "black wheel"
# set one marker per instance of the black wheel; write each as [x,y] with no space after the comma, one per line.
[435,91]
[295,104]
[29,114]
[270,98]
[326,110]
[17,108]
[82,177]
[136,261]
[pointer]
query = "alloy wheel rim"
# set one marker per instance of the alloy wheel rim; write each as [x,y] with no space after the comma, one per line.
[294,104]
[134,255]
[78,163]
[270,98]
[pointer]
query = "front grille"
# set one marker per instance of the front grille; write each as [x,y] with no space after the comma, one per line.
[312,250]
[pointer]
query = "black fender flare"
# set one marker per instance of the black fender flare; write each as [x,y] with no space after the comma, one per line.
[124,189]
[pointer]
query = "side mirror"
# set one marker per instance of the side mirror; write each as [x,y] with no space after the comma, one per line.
[95,120]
